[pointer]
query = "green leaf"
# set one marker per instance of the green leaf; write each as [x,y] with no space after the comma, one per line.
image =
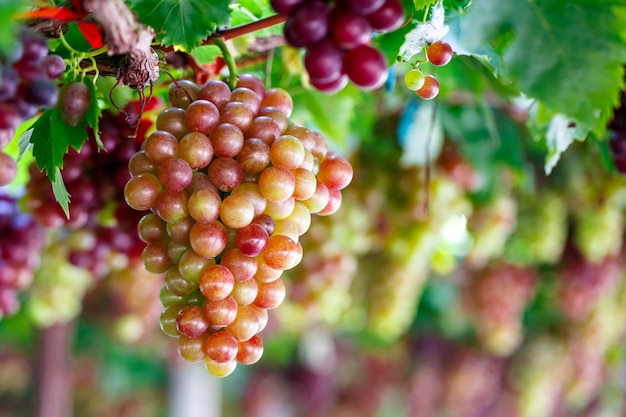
[8,24]
[51,138]
[183,23]
[568,54]
[93,113]
[422,4]
[60,192]
[206,54]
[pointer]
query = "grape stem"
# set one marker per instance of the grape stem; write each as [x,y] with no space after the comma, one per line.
[229,60]
[246,28]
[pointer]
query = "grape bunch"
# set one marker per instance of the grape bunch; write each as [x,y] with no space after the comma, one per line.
[27,83]
[21,240]
[100,224]
[438,53]
[231,184]
[337,39]
[495,298]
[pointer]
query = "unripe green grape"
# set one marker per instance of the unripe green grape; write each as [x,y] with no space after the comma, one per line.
[414,79]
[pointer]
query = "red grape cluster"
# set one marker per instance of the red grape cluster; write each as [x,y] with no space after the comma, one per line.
[232,184]
[496,298]
[21,240]
[26,83]
[617,131]
[438,53]
[581,284]
[337,39]
[95,181]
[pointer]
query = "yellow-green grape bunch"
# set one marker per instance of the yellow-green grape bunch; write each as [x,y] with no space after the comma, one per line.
[58,288]
[541,231]
[232,184]
[394,297]
[490,227]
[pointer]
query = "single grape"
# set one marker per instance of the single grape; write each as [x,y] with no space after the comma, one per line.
[160,146]
[430,89]
[323,61]
[215,91]
[226,140]
[252,239]
[76,99]
[216,282]
[182,93]
[414,79]
[246,96]
[390,16]
[366,67]
[349,28]
[364,6]
[333,86]
[270,294]
[285,7]
[208,239]
[173,120]
[439,53]
[222,347]
[250,351]
[221,312]
[245,292]
[196,149]
[278,98]
[175,174]
[54,66]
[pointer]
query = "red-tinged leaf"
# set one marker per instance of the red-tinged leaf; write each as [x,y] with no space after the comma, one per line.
[56,13]
[211,70]
[92,34]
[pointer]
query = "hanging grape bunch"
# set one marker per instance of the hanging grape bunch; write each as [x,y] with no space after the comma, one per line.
[26,84]
[21,240]
[337,38]
[438,53]
[232,184]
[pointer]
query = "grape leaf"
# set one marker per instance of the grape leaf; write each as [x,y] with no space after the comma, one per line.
[422,4]
[51,138]
[183,23]
[567,54]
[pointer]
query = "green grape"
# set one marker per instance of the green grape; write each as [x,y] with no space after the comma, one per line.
[414,79]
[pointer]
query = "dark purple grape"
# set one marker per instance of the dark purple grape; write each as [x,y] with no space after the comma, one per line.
[389,17]
[35,48]
[308,24]
[76,98]
[324,61]
[8,83]
[620,164]
[617,144]
[364,6]
[331,87]
[42,93]
[75,101]
[10,116]
[350,29]
[54,66]
[366,67]
[284,7]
